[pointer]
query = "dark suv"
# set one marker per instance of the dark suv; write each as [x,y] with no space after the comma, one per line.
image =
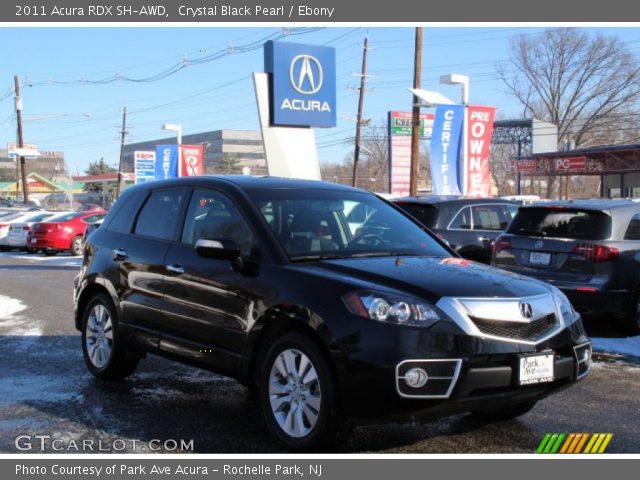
[469,225]
[261,279]
[589,249]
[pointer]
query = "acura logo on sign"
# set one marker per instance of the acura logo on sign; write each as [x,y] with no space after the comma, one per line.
[305,74]
[526,310]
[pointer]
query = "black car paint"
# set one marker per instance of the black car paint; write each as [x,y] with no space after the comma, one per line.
[216,314]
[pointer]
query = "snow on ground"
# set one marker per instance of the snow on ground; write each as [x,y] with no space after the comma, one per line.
[621,346]
[13,324]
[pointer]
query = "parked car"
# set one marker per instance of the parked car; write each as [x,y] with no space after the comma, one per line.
[90,207]
[62,232]
[5,202]
[92,227]
[19,230]
[261,279]
[469,225]
[5,224]
[589,249]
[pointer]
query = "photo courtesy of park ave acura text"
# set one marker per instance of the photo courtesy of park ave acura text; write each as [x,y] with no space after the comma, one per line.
[308,237]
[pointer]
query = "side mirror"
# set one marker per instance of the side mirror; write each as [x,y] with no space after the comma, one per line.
[221,249]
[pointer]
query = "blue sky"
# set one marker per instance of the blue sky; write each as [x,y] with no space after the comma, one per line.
[219,93]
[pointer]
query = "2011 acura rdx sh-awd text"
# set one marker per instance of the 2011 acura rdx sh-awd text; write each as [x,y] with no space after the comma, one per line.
[264,280]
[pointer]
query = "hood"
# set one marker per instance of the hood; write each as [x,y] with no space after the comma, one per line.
[433,277]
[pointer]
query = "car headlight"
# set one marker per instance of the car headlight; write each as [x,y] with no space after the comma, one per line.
[564,306]
[398,309]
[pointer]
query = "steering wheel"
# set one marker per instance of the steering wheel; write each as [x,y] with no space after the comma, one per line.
[369,239]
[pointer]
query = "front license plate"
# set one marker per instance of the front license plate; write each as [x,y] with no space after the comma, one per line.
[539,258]
[34,240]
[536,369]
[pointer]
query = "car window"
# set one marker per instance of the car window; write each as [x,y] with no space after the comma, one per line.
[64,217]
[561,222]
[93,218]
[314,223]
[490,217]
[213,216]
[462,221]
[425,214]
[633,230]
[124,211]
[158,217]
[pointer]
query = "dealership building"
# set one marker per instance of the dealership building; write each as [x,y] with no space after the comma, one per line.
[243,146]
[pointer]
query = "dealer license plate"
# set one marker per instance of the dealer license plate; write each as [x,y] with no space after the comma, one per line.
[34,240]
[536,369]
[539,258]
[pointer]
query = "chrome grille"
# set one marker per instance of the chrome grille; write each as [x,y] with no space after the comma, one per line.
[516,330]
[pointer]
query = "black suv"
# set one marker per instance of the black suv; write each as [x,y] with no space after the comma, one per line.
[589,249]
[469,225]
[262,280]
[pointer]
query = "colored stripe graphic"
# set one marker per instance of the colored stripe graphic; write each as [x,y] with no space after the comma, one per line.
[573,443]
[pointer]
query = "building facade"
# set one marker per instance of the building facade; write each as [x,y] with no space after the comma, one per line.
[226,151]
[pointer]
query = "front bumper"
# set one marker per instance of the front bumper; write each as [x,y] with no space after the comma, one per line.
[465,373]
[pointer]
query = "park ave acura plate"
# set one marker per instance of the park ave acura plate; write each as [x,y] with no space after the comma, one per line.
[536,368]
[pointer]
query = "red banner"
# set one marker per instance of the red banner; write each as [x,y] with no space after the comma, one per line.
[479,133]
[571,164]
[523,166]
[191,160]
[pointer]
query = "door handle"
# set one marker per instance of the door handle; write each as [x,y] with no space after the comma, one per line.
[175,268]
[484,239]
[119,254]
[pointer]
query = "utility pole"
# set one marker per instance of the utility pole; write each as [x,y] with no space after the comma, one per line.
[415,129]
[123,135]
[363,76]
[23,166]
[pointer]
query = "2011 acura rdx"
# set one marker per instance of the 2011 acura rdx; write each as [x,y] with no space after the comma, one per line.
[264,280]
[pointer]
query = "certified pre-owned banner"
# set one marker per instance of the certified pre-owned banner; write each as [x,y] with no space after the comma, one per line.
[166,161]
[479,133]
[191,160]
[445,149]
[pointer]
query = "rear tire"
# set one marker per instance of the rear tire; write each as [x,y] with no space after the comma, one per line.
[103,350]
[76,246]
[298,394]
[50,252]
[506,413]
[31,251]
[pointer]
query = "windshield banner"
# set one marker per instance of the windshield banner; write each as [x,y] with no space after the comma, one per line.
[445,149]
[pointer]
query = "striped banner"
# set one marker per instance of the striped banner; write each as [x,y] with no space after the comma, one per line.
[574,443]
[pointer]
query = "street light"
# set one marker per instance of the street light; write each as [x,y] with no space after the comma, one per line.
[463,81]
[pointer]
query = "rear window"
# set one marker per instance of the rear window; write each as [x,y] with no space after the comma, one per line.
[427,215]
[561,223]
[633,231]
[64,217]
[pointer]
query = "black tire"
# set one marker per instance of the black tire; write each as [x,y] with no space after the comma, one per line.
[31,251]
[50,252]
[328,426]
[632,322]
[76,246]
[506,413]
[118,363]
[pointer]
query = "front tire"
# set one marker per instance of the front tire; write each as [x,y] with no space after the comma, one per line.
[298,394]
[76,246]
[50,252]
[103,350]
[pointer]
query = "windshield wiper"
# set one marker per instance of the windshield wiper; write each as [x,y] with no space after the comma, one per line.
[322,256]
[383,254]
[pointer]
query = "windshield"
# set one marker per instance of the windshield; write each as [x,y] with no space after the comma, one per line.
[312,224]
[561,223]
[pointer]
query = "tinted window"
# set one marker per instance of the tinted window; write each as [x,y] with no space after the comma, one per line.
[633,231]
[93,218]
[313,223]
[462,220]
[490,217]
[212,216]
[561,223]
[159,215]
[124,212]
[64,217]
[425,214]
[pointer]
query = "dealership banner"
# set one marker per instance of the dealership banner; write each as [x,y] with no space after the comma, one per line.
[445,149]
[166,161]
[144,166]
[479,133]
[399,126]
[191,160]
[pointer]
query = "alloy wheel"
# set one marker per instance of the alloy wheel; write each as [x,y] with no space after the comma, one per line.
[99,336]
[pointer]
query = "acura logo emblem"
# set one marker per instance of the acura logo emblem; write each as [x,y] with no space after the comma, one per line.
[305,74]
[526,310]
[539,244]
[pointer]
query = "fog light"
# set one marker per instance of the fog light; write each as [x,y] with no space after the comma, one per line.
[416,378]
[586,357]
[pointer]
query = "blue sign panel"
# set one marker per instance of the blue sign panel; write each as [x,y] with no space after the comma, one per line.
[166,161]
[445,149]
[303,84]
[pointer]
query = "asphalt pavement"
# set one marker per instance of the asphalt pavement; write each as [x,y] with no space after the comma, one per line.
[46,393]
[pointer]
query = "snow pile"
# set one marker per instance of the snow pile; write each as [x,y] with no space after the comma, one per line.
[621,346]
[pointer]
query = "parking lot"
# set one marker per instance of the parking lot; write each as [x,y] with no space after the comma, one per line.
[46,389]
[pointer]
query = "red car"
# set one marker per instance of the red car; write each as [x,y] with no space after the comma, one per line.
[62,232]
